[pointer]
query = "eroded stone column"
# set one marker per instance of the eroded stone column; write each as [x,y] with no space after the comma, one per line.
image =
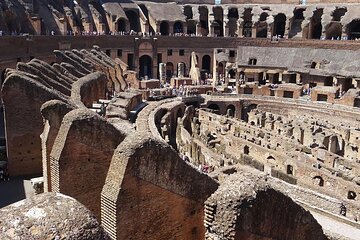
[162,72]
[239,28]
[180,70]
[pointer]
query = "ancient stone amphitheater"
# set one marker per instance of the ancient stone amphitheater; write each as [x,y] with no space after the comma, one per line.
[201,119]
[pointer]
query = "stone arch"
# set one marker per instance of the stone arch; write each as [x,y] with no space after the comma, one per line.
[145,65]
[289,169]
[296,22]
[206,63]
[233,17]
[273,215]
[188,12]
[353,29]
[134,20]
[214,107]
[164,28]
[338,14]
[221,68]
[279,25]
[178,27]
[121,25]
[218,21]
[246,149]
[351,195]
[231,110]
[169,70]
[247,23]
[319,181]
[185,70]
[262,27]
[97,5]
[316,26]
[333,30]
[247,29]
[204,20]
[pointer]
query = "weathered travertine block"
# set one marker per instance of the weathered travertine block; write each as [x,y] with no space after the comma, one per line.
[49,216]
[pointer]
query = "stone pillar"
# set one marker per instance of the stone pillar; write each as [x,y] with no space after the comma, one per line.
[146,27]
[240,28]
[226,78]
[212,29]
[102,28]
[198,29]
[171,28]
[287,28]
[184,27]
[157,28]
[253,32]
[162,72]
[180,70]
[269,30]
[63,26]
[344,34]
[323,31]
[226,28]
[298,78]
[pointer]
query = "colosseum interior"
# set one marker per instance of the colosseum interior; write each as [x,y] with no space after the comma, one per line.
[194,119]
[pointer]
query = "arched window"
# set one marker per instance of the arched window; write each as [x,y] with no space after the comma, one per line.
[246,150]
[289,169]
[121,25]
[354,29]
[178,27]
[214,106]
[206,63]
[316,25]
[230,110]
[164,28]
[319,181]
[351,195]
[204,19]
[279,25]
[145,63]
[134,20]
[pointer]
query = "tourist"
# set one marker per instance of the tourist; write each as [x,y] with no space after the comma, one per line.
[102,110]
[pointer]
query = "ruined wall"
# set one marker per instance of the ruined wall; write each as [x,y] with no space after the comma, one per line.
[23,98]
[247,207]
[79,161]
[53,112]
[147,179]
[89,89]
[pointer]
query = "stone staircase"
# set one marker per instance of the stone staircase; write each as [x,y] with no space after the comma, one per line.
[210,210]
